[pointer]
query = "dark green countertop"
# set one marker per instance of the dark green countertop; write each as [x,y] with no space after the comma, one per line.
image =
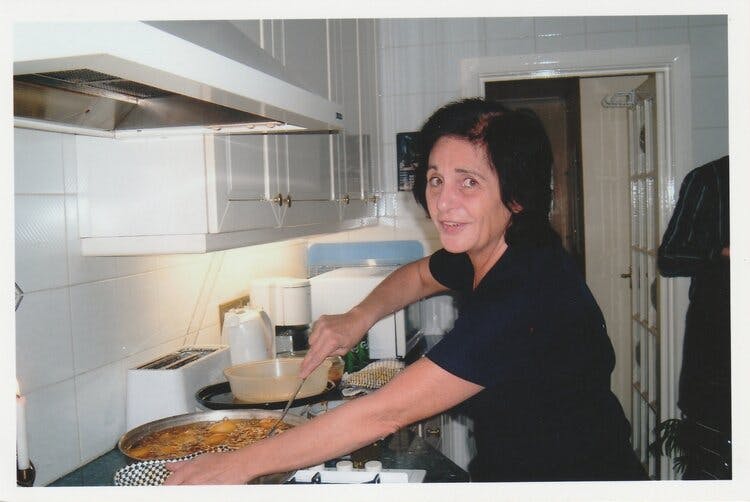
[403,450]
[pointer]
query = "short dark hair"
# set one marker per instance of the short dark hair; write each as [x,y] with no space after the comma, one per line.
[519,151]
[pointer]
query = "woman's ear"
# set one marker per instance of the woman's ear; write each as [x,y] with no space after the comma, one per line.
[515,207]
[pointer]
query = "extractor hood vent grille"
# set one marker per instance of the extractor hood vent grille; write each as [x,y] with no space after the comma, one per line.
[95,83]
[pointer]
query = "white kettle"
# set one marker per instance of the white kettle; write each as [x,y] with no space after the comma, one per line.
[248,336]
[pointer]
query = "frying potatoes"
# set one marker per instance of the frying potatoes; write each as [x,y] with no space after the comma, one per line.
[225,426]
[181,440]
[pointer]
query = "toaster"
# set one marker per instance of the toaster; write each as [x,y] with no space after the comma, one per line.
[166,386]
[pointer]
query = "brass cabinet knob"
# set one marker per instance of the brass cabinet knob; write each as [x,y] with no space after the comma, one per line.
[344,199]
[283,201]
[372,198]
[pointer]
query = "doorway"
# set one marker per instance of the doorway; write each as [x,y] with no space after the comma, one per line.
[556,103]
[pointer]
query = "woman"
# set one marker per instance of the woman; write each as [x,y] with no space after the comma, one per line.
[529,354]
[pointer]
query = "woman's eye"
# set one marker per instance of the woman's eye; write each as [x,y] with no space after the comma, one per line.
[434,181]
[469,183]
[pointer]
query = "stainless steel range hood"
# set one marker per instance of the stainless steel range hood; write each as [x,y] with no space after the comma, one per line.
[131,78]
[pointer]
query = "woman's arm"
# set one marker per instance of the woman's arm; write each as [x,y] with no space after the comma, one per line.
[337,334]
[420,391]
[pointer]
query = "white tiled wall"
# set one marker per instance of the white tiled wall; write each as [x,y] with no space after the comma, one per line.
[85,320]
[419,67]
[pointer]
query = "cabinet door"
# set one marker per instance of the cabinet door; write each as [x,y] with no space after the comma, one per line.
[239,184]
[368,93]
[370,128]
[356,56]
[306,176]
[306,53]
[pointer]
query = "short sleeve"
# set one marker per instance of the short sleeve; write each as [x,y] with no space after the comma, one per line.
[488,344]
[452,270]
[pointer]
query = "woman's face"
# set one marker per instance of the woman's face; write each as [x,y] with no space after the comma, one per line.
[463,198]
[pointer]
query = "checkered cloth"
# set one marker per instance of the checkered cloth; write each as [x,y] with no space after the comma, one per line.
[152,472]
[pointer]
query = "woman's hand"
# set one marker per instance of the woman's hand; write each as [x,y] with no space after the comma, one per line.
[208,469]
[334,335]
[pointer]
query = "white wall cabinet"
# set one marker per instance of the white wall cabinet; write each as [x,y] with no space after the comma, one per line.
[194,194]
[353,52]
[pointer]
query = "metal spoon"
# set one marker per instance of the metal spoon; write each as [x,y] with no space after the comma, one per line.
[286,408]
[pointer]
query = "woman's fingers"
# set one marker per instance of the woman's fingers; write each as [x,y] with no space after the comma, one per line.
[209,468]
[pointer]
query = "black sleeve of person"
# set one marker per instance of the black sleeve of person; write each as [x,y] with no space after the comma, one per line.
[698,229]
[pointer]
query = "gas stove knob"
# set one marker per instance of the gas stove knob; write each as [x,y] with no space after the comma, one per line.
[373,466]
[344,465]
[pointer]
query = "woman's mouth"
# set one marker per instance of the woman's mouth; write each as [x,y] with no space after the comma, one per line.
[451,227]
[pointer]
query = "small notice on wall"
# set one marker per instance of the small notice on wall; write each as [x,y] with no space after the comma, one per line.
[406,157]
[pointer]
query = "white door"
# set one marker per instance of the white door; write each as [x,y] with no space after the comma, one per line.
[644,231]
[606,195]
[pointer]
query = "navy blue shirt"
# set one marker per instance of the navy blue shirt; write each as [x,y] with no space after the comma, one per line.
[533,336]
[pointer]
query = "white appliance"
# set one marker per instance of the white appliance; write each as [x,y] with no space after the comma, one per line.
[167,385]
[248,336]
[284,304]
[339,290]
[134,78]
[343,473]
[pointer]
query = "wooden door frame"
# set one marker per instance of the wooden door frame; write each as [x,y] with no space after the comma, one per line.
[671,67]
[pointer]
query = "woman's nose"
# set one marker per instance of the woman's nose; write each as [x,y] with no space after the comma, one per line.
[446,198]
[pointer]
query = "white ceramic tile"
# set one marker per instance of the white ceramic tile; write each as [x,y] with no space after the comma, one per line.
[389,177]
[152,353]
[605,24]
[401,113]
[509,46]
[100,405]
[710,102]
[137,300]
[408,70]
[94,324]
[179,291]
[708,50]
[447,69]
[38,159]
[40,245]
[44,350]
[709,144]
[707,20]
[659,22]
[113,319]
[557,26]
[130,265]
[52,427]
[403,32]
[207,336]
[381,232]
[600,41]
[173,260]
[560,43]
[665,36]
[84,268]
[70,167]
[457,30]
[515,27]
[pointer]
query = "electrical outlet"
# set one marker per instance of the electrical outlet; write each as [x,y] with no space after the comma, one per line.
[231,304]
